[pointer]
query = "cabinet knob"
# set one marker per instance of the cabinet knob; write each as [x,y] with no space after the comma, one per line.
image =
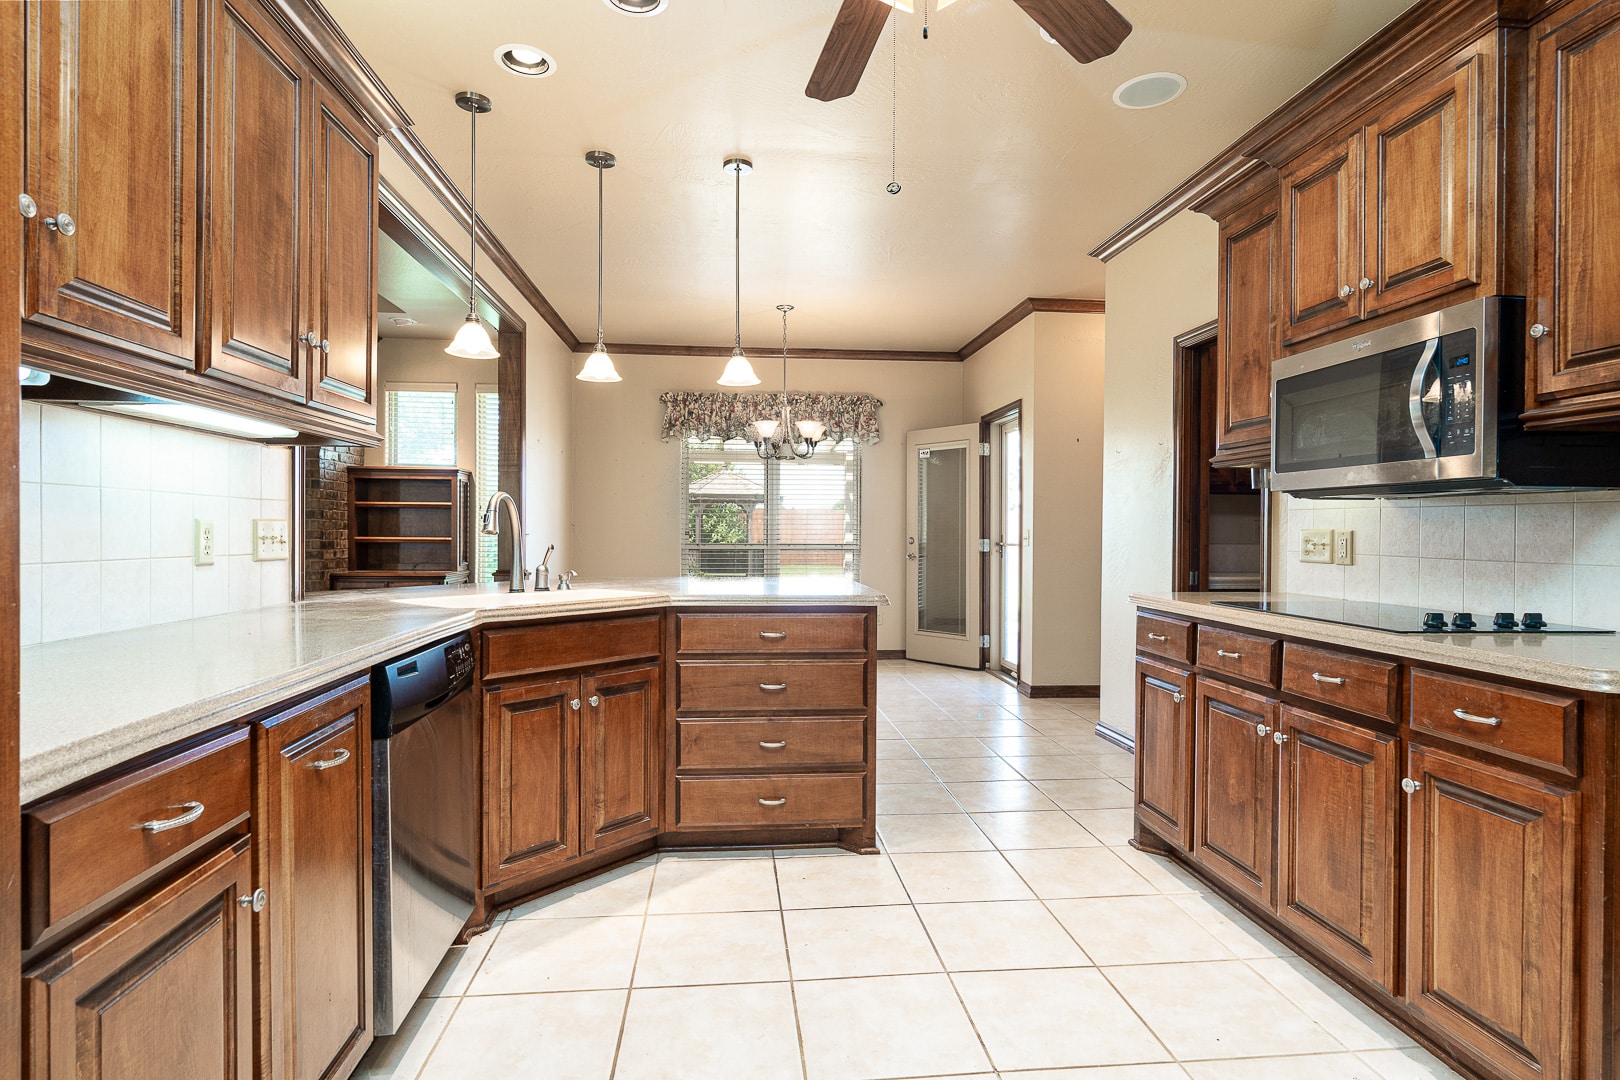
[573,703]
[1262,730]
[325,346]
[254,901]
[1178,697]
[1346,291]
[62,223]
[308,338]
[595,700]
[26,206]
[1367,283]
[1540,330]
[1278,737]
[1410,786]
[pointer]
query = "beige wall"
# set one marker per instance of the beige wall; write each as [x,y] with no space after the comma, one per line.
[625,514]
[419,361]
[1162,286]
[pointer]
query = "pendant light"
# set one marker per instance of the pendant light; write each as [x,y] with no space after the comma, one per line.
[599,365]
[739,372]
[785,438]
[472,340]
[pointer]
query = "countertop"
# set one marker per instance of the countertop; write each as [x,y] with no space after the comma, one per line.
[1573,661]
[91,703]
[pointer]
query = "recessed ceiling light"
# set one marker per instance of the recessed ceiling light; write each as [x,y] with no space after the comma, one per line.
[638,7]
[525,60]
[402,320]
[1150,90]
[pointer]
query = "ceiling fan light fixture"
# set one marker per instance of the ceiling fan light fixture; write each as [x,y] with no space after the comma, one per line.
[640,8]
[525,60]
[1149,91]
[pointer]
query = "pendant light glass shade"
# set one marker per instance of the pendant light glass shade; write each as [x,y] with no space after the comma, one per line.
[472,340]
[739,372]
[599,365]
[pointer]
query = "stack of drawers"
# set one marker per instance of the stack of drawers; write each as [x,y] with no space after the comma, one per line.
[773,721]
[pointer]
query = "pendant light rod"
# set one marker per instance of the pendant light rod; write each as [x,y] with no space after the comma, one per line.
[473,102]
[739,372]
[601,161]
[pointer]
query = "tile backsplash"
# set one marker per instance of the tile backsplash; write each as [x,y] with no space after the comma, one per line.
[108,512]
[1558,553]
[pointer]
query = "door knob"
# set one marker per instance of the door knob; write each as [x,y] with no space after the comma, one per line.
[1540,330]
[1410,786]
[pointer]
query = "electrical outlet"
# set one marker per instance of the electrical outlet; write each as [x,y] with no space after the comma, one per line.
[1316,545]
[1344,547]
[204,548]
[269,539]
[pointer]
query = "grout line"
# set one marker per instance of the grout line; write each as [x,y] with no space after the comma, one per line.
[787,952]
[624,1017]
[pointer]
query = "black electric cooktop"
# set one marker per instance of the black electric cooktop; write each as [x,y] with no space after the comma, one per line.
[1400,619]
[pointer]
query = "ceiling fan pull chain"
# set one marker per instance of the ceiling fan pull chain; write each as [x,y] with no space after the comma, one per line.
[894,104]
[925,19]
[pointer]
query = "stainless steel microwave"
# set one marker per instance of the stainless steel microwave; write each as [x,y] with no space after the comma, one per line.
[1424,407]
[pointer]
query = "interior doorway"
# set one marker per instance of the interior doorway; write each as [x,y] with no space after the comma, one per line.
[944,560]
[1001,448]
[1221,514]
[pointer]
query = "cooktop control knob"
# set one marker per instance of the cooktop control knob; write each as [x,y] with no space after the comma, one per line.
[1434,620]
[1534,621]
[1504,620]
[1463,620]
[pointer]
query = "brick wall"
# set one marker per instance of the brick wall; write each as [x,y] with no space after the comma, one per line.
[326,512]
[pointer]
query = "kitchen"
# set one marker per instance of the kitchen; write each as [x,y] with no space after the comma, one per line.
[727,744]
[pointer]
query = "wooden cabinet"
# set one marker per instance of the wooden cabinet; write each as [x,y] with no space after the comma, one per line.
[531,778]
[1235,788]
[163,988]
[1321,206]
[408,524]
[1490,912]
[1336,840]
[1164,751]
[620,759]
[313,811]
[1251,253]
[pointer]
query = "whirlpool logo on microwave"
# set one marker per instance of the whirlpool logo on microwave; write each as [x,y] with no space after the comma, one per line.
[1357,346]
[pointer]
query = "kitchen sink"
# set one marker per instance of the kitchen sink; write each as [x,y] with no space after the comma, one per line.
[500,598]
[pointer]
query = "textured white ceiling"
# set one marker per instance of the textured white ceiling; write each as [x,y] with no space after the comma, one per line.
[1013,158]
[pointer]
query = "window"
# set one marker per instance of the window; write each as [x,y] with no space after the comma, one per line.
[744,517]
[420,421]
[487,472]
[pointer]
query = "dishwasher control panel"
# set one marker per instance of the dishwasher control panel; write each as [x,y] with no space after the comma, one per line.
[458,659]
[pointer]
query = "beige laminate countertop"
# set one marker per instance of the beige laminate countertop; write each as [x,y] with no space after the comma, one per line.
[1575,661]
[91,703]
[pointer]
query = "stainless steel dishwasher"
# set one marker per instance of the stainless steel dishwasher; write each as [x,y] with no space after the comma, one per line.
[424,758]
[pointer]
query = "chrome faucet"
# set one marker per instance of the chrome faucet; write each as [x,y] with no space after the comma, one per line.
[492,527]
[565,580]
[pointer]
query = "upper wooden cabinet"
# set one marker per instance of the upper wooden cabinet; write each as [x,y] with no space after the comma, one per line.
[1322,216]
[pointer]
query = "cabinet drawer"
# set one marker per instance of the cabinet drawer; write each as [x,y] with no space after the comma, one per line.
[771,744]
[553,646]
[1525,725]
[1242,656]
[1356,683]
[770,633]
[770,800]
[82,848]
[1160,635]
[712,686]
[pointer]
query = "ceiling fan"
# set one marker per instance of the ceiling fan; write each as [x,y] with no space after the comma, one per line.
[1087,29]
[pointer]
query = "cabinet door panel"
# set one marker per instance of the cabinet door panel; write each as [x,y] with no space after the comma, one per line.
[1248,329]
[620,757]
[1577,248]
[1423,191]
[531,746]
[114,146]
[1234,789]
[1491,884]
[344,260]
[1336,841]
[1164,747]
[257,204]
[1322,213]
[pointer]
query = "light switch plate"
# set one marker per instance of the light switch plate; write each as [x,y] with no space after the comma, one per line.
[204,547]
[269,539]
[1316,545]
[1344,547]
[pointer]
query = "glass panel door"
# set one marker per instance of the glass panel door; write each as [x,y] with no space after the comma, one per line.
[1010,476]
[942,553]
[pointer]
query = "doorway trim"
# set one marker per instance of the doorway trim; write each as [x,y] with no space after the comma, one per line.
[1190,470]
[986,423]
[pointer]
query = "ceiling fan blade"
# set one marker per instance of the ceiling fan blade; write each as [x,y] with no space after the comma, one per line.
[1087,29]
[849,46]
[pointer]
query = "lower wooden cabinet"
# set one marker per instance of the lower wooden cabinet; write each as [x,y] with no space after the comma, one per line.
[1164,751]
[1490,911]
[1235,787]
[163,989]
[620,757]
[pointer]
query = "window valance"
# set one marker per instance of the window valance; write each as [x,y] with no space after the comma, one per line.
[708,414]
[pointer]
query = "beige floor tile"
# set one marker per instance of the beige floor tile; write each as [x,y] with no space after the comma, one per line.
[959,877]
[1055,767]
[1351,1022]
[1310,1067]
[400,1056]
[949,748]
[618,892]
[530,1035]
[908,1025]
[459,965]
[955,770]
[1118,930]
[678,855]
[909,771]
[1162,872]
[995,795]
[931,729]
[688,885]
[930,832]
[1230,926]
[895,750]
[1038,710]
[864,882]
[1060,873]
[1105,1072]
[1034,829]
[887,730]
[706,1032]
[712,947]
[1096,794]
[1112,827]
[1219,1009]
[1055,1019]
[1024,746]
[848,943]
[537,955]
[818,851]
[1001,935]
[1411,1063]
[931,798]
[1002,728]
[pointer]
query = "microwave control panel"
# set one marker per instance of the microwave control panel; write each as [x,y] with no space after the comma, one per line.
[1458,405]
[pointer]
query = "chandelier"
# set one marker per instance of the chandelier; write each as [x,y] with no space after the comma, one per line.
[782,437]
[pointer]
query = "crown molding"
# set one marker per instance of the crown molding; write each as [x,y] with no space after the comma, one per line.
[1023,310]
[633,349]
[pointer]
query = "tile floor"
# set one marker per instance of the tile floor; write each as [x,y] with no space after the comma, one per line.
[1006,930]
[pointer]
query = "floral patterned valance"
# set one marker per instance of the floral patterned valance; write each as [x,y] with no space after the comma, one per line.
[711,415]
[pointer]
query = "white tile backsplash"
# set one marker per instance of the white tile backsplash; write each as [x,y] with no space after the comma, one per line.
[107,521]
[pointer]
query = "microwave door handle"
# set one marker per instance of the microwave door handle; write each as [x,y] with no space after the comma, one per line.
[1414,402]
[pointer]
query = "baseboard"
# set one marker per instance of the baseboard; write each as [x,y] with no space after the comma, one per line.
[891,654]
[1118,738]
[1059,691]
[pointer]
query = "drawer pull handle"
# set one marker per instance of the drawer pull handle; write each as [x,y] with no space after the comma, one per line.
[773,635]
[1158,637]
[1229,655]
[1334,679]
[772,687]
[779,801]
[190,811]
[1410,786]
[1488,721]
[332,762]
[781,745]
